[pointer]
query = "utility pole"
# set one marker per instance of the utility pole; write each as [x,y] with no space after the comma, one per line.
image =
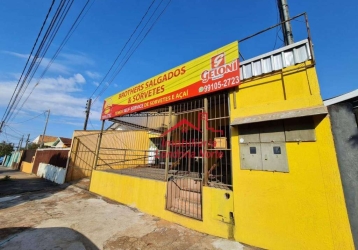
[27,141]
[1,125]
[88,109]
[284,16]
[20,143]
[43,135]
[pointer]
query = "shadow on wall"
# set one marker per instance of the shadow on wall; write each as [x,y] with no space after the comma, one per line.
[58,160]
[44,238]
[55,169]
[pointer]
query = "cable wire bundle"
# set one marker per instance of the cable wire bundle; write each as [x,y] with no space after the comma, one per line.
[116,68]
[34,60]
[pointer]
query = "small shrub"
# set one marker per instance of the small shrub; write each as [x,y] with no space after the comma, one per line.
[6,178]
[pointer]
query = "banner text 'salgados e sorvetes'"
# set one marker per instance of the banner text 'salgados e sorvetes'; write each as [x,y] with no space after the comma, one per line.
[209,73]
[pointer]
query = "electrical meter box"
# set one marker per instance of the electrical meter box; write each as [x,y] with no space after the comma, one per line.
[274,157]
[263,146]
[250,156]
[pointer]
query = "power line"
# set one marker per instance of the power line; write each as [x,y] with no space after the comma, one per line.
[37,55]
[118,71]
[34,59]
[13,136]
[7,139]
[47,44]
[28,59]
[120,53]
[26,120]
[91,123]
[63,43]
[17,132]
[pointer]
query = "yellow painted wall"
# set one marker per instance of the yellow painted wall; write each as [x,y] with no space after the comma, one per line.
[149,197]
[26,167]
[302,209]
[293,88]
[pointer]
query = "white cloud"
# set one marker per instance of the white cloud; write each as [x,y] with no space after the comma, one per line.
[55,66]
[70,84]
[79,78]
[92,74]
[60,64]
[64,94]
[78,59]
[59,94]
[24,56]
[75,123]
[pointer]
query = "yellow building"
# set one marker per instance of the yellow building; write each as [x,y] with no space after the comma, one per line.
[254,162]
[300,200]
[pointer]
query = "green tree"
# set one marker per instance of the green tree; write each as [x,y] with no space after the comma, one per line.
[5,148]
[33,146]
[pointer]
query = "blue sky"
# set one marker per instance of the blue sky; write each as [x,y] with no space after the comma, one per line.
[185,31]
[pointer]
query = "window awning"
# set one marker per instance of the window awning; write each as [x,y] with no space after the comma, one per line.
[320,110]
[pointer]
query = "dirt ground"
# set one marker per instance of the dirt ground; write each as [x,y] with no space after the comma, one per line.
[49,216]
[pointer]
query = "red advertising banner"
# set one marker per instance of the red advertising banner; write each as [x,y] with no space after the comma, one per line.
[209,73]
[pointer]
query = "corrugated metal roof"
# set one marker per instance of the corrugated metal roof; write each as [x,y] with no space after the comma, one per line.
[275,60]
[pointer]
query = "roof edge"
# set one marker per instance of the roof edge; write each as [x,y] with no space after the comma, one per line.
[341,98]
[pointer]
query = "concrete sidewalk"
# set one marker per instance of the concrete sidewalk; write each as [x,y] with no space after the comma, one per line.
[67,217]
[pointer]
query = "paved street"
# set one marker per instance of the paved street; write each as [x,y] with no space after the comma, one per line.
[20,182]
[36,214]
